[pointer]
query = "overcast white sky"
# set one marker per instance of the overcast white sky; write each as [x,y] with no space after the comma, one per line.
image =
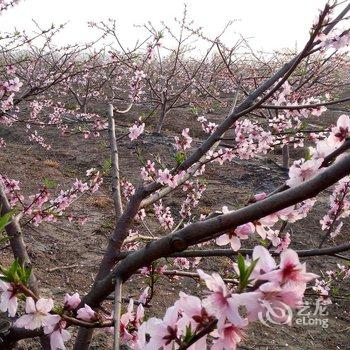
[272,24]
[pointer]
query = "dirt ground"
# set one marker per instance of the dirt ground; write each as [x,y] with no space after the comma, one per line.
[66,256]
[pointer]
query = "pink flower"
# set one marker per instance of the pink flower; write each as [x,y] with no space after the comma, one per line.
[272,236]
[288,295]
[228,337]
[260,196]
[185,142]
[262,225]
[265,263]
[290,270]
[11,70]
[144,295]
[342,130]
[234,237]
[284,244]
[125,319]
[8,301]
[323,148]
[165,178]
[301,171]
[90,172]
[86,313]
[274,299]
[220,302]
[136,130]
[189,304]
[148,172]
[71,302]
[80,186]
[182,263]
[58,335]
[322,289]
[208,127]
[163,332]
[145,270]
[140,342]
[37,314]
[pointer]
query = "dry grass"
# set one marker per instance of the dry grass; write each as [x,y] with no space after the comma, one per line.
[52,163]
[205,210]
[101,202]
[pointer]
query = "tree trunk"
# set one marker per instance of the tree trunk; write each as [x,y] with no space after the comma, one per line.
[285,156]
[84,337]
[14,232]
[162,116]
[116,192]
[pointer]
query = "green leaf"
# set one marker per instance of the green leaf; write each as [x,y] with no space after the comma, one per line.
[307,154]
[250,269]
[241,266]
[5,219]
[244,271]
[16,273]
[180,157]
[264,242]
[188,335]
[107,166]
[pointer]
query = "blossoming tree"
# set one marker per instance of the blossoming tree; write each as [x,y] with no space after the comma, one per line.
[270,273]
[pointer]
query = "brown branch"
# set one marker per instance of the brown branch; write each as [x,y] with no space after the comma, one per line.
[191,275]
[309,106]
[330,251]
[116,192]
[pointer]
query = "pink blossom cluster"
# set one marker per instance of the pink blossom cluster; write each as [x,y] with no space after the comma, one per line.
[163,215]
[303,169]
[221,156]
[7,93]
[40,313]
[281,287]
[148,172]
[41,208]
[136,130]
[57,206]
[182,263]
[208,127]
[264,226]
[127,188]
[339,208]
[137,85]
[183,143]
[166,178]
[35,137]
[37,314]
[194,191]
[323,287]
[334,40]
[12,190]
[251,139]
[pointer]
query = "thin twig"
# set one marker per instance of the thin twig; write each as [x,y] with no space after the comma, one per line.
[117,311]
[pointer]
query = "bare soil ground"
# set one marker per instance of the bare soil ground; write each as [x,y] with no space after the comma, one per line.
[66,256]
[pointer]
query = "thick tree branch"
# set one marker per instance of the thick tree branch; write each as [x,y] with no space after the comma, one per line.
[208,229]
